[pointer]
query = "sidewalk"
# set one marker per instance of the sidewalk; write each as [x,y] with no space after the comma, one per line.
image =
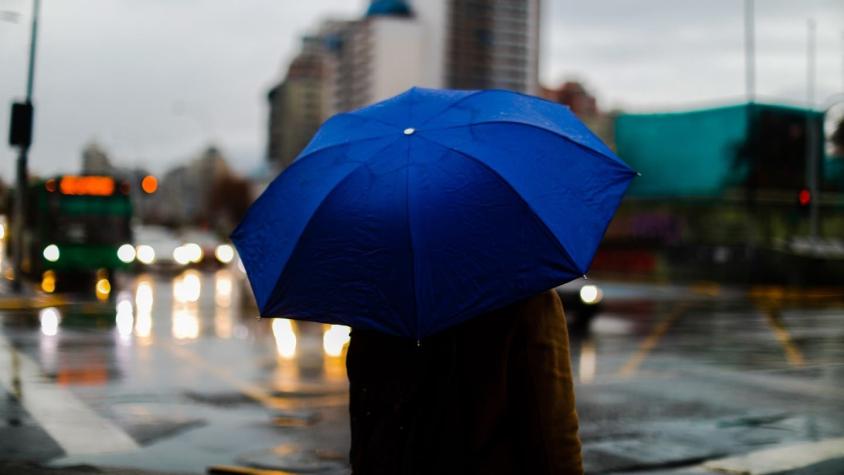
[29,468]
[28,299]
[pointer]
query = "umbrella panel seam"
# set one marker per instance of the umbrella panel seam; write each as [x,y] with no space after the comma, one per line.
[335,145]
[295,247]
[589,149]
[415,304]
[452,106]
[519,196]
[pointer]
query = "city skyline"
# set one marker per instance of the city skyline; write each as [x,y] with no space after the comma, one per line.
[173,78]
[397,45]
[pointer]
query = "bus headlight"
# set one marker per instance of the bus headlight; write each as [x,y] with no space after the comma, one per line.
[224,253]
[145,254]
[48,282]
[126,253]
[51,253]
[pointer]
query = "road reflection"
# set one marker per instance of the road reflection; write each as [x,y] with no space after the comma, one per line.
[588,361]
[143,304]
[50,319]
[335,339]
[187,288]
[223,318]
[285,338]
[124,320]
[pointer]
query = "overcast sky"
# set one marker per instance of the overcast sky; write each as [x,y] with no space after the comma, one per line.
[153,81]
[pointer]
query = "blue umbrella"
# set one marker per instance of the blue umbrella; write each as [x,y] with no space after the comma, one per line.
[424,210]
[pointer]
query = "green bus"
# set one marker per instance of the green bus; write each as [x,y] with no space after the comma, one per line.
[77,233]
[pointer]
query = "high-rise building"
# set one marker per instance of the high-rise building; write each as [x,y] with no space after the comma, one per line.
[398,44]
[297,104]
[480,44]
[386,54]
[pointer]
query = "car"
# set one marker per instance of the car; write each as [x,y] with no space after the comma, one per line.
[582,299]
[201,247]
[155,247]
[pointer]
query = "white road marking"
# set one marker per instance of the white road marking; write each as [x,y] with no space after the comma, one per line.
[70,422]
[780,459]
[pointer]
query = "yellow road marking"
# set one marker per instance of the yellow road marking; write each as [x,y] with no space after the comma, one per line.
[254,391]
[27,303]
[791,293]
[649,343]
[237,470]
[792,353]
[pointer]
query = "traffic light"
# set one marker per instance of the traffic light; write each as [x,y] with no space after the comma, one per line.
[20,129]
[804,198]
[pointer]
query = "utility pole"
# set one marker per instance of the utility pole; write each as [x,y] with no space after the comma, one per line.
[21,135]
[749,51]
[812,131]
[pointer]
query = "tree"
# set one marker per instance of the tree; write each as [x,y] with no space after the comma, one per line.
[228,201]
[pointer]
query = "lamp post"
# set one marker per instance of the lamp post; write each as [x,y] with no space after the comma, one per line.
[20,135]
[811,131]
[749,51]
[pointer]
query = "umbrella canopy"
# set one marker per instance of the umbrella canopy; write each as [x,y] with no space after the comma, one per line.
[421,211]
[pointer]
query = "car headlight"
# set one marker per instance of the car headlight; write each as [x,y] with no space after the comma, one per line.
[591,294]
[224,253]
[181,256]
[126,253]
[51,253]
[193,252]
[145,254]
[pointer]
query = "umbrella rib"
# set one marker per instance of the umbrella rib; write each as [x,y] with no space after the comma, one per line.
[410,243]
[355,113]
[589,149]
[295,247]
[524,202]
[348,142]
[451,106]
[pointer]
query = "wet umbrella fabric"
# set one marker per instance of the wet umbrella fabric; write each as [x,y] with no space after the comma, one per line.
[424,210]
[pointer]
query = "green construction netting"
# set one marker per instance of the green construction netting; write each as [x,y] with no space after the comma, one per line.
[688,154]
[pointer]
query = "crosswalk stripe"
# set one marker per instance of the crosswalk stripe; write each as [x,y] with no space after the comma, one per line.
[71,423]
[780,459]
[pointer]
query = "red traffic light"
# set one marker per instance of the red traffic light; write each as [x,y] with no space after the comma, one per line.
[804,197]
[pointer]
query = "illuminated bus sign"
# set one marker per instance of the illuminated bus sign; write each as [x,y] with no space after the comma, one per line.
[87,185]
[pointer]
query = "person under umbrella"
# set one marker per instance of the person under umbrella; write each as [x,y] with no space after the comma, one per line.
[493,395]
[433,224]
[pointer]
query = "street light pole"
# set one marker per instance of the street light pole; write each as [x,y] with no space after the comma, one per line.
[749,51]
[812,132]
[23,157]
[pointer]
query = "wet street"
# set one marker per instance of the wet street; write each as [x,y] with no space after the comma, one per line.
[177,374]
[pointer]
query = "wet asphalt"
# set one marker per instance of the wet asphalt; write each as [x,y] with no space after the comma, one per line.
[175,373]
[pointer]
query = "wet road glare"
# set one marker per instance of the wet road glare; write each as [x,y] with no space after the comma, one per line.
[175,373]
